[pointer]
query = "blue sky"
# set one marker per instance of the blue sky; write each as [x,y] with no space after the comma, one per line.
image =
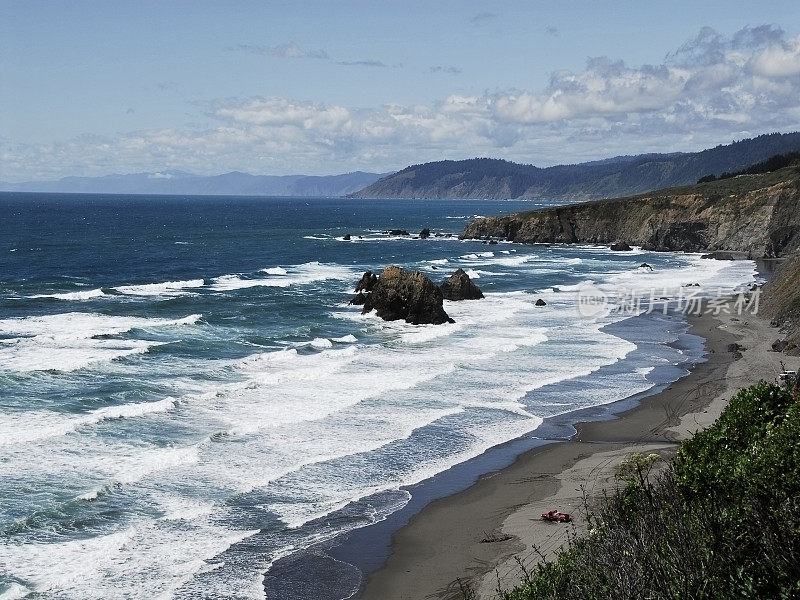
[91,88]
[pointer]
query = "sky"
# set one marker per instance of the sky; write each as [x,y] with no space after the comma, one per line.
[90,88]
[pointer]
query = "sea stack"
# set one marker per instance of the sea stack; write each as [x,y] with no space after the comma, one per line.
[460,287]
[400,294]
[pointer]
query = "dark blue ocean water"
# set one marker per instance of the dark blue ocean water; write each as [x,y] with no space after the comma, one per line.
[186,397]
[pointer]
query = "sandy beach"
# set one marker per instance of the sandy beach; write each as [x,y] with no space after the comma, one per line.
[477,537]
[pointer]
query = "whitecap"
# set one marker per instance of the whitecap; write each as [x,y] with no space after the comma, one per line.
[166,288]
[303,274]
[82,295]
[321,343]
[347,339]
[30,426]
[70,341]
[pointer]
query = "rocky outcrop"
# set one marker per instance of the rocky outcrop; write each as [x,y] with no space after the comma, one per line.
[367,282]
[425,234]
[541,302]
[758,215]
[460,287]
[780,301]
[621,247]
[412,297]
[359,299]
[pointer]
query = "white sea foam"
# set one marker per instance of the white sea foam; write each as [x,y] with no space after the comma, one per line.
[81,295]
[167,288]
[297,275]
[14,591]
[313,431]
[321,343]
[346,339]
[275,271]
[70,341]
[32,426]
[148,559]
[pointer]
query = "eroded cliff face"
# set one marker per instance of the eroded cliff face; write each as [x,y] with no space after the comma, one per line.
[780,301]
[756,214]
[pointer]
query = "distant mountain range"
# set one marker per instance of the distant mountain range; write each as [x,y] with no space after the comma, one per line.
[180,183]
[620,176]
[474,178]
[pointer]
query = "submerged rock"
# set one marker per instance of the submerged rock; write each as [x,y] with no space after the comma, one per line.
[346,237]
[460,287]
[541,302]
[645,266]
[621,247]
[400,294]
[368,281]
[397,232]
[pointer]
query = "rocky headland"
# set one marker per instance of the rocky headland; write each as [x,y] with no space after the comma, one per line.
[757,215]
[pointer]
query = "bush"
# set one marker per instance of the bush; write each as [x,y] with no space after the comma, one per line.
[722,521]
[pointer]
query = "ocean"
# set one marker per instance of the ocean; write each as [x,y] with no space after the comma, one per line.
[187,401]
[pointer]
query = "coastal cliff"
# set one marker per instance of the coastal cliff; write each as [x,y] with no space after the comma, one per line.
[755,214]
[781,301]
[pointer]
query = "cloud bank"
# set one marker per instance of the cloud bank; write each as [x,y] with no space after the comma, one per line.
[713,89]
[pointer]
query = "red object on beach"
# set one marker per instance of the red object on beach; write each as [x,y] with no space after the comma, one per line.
[554,515]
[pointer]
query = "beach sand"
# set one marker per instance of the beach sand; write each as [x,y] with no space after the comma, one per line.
[477,537]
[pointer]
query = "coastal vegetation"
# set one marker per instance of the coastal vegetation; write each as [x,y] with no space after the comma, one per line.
[779,161]
[722,520]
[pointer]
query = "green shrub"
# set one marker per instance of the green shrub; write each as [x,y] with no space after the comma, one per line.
[723,521]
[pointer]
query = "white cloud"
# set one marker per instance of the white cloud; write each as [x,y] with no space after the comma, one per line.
[711,90]
[778,60]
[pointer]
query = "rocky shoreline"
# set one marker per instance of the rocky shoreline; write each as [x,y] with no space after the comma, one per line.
[755,215]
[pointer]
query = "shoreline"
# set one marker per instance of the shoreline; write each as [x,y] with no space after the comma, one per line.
[474,537]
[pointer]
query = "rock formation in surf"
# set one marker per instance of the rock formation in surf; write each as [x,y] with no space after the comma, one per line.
[368,281]
[400,294]
[621,247]
[460,287]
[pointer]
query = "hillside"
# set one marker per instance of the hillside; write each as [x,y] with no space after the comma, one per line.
[227,184]
[722,521]
[781,301]
[625,175]
[756,214]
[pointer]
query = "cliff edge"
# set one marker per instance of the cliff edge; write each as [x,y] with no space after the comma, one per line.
[755,214]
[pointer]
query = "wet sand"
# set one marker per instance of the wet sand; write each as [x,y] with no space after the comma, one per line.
[475,538]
